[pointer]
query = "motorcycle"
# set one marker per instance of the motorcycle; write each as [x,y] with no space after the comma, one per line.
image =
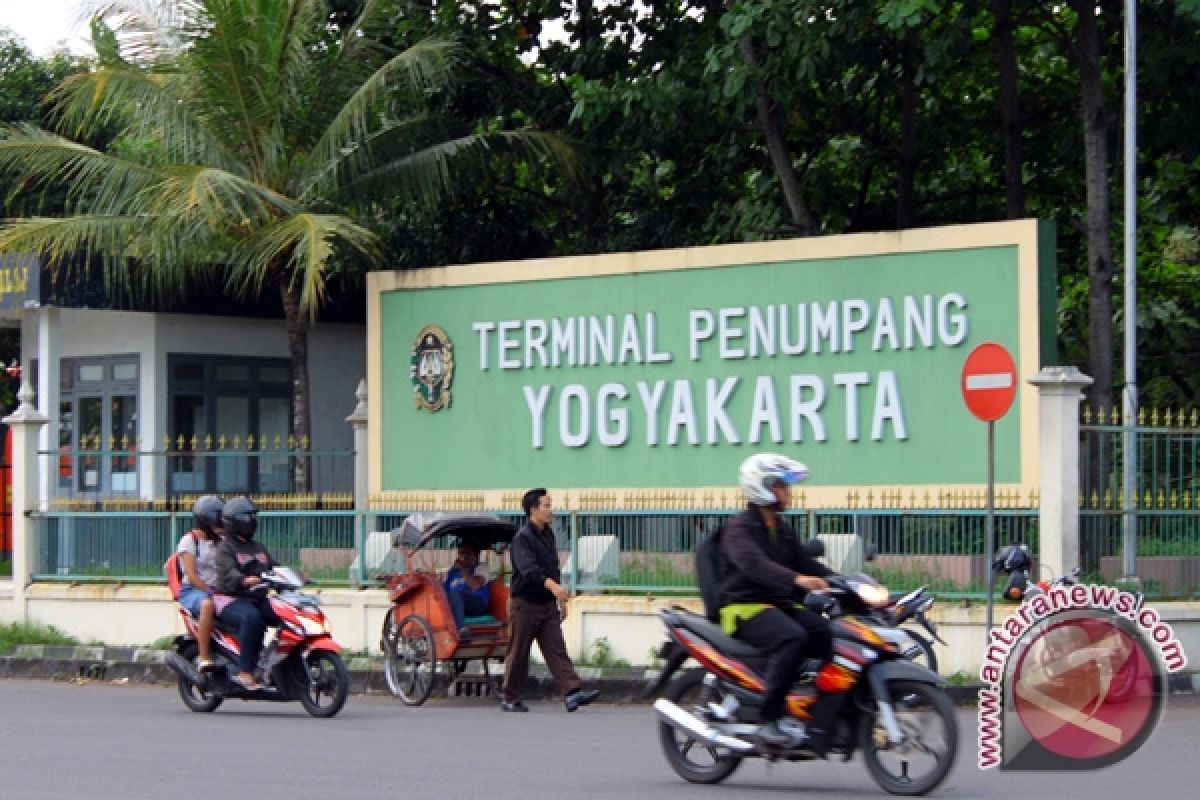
[869,697]
[1013,560]
[302,662]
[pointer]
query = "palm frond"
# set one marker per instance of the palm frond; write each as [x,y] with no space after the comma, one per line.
[148,30]
[32,159]
[398,136]
[142,105]
[220,199]
[430,174]
[73,246]
[299,250]
[422,67]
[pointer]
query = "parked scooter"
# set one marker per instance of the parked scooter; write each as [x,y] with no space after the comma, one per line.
[301,663]
[869,697]
[1013,560]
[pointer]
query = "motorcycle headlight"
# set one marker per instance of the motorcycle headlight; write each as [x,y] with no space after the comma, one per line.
[873,594]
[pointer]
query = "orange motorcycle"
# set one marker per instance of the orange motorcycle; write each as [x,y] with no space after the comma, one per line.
[870,697]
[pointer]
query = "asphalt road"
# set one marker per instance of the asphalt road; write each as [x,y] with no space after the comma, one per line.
[126,742]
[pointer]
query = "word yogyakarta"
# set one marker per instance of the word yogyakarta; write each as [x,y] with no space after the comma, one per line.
[787,406]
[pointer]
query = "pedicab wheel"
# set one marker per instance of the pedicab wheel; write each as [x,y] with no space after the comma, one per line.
[328,683]
[411,662]
[194,697]
[694,761]
[925,715]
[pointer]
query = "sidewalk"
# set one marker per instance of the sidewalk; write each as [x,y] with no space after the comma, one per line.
[145,665]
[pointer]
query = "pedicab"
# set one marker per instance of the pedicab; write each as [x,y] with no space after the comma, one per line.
[421,640]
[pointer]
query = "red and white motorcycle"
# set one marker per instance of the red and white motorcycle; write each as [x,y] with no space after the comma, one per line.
[302,662]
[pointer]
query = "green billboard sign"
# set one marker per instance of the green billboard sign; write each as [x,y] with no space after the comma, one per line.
[611,374]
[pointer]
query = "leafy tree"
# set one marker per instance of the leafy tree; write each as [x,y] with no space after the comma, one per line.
[244,128]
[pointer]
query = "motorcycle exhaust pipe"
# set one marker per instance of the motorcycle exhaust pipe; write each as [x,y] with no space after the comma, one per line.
[186,670]
[681,720]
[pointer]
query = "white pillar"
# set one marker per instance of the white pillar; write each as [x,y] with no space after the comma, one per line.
[1060,391]
[24,425]
[47,350]
[358,421]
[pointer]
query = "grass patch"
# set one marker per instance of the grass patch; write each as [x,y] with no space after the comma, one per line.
[32,633]
[6,567]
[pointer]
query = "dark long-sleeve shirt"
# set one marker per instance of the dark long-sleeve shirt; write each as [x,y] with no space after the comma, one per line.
[534,558]
[237,559]
[757,567]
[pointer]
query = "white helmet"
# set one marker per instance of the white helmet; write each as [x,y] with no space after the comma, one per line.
[761,471]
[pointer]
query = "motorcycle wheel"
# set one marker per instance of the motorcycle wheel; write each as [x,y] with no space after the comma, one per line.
[691,760]
[328,683]
[926,658]
[410,659]
[193,697]
[920,709]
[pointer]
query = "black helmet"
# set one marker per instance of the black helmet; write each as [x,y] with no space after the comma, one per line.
[240,517]
[207,513]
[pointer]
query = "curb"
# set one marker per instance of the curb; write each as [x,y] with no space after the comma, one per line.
[148,666]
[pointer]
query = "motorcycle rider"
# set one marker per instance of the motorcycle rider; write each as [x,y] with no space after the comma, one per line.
[763,569]
[197,553]
[240,562]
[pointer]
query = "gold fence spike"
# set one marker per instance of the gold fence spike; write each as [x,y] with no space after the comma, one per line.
[221,442]
[250,441]
[208,441]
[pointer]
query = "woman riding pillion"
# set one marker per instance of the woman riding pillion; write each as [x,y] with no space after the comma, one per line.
[242,603]
[763,569]
[197,553]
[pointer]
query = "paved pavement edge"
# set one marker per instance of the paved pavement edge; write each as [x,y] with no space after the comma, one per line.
[145,665]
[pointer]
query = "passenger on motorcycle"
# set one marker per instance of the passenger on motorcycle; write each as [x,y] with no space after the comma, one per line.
[198,553]
[763,569]
[242,602]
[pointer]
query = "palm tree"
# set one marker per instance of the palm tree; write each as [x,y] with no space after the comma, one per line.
[238,131]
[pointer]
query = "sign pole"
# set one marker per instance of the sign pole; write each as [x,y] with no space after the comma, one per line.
[989,386]
[989,530]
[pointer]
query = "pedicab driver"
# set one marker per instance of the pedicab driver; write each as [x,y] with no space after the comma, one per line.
[762,569]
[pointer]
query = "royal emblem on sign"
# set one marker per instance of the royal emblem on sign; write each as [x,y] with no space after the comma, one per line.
[432,368]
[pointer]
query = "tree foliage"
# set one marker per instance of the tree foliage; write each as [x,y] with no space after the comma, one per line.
[236,133]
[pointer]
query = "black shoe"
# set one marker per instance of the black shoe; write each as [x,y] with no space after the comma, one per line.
[776,737]
[580,697]
[515,705]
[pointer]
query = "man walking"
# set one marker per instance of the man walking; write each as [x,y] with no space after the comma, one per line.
[537,607]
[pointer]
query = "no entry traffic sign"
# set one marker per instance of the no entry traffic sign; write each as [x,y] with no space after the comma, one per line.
[989,381]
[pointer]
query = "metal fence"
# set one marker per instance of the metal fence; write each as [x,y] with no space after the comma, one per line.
[601,551]
[282,471]
[1165,503]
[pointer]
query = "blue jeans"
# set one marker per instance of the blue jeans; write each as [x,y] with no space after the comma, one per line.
[465,604]
[251,616]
